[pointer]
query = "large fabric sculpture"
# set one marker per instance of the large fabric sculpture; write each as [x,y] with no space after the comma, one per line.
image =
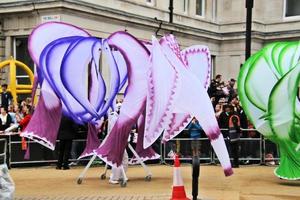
[268,87]
[69,74]
[166,87]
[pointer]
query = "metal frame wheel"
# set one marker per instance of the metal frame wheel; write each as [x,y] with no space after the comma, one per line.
[123,182]
[79,181]
[148,178]
[103,177]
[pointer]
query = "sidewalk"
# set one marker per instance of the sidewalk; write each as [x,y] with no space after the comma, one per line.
[117,197]
[248,183]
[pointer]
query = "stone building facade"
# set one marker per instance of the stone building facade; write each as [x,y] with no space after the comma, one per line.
[219,24]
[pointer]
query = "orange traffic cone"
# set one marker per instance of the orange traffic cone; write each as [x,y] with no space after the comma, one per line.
[178,187]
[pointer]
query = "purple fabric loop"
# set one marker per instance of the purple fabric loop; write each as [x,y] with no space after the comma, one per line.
[74,64]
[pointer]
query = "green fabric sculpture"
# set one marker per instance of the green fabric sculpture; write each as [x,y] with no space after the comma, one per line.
[268,87]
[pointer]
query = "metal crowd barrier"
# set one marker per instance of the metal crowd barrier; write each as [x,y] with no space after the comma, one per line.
[252,150]
[3,145]
[41,154]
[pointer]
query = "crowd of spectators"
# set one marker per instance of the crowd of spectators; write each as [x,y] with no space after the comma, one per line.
[14,116]
[225,101]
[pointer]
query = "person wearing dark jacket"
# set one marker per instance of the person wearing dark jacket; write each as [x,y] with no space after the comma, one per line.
[224,120]
[6,97]
[5,119]
[65,135]
[234,138]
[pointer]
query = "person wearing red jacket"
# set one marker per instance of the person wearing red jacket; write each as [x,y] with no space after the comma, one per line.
[24,122]
[28,113]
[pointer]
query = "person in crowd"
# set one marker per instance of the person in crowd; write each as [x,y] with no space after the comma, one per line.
[231,91]
[234,137]
[28,101]
[14,126]
[66,134]
[6,97]
[195,129]
[216,88]
[224,120]
[12,114]
[218,110]
[246,146]
[239,110]
[27,112]
[5,119]
[18,113]
[213,101]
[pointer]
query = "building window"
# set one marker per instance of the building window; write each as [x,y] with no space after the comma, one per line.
[292,8]
[21,53]
[200,4]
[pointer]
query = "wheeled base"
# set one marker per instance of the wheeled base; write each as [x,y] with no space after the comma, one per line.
[123,182]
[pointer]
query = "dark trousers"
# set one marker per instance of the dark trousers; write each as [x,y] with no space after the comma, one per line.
[65,147]
[234,149]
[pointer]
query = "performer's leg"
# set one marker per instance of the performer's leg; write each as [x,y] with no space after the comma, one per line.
[67,153]
[60,154]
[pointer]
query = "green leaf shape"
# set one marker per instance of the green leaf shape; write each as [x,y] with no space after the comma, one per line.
[268,85]
[282,107]
[289,161]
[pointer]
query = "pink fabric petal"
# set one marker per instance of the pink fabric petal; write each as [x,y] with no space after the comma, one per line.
[148,153]
[161,93]
[171,41]
[92,141]
[199,105]
[178,123]
[44,124]
[198,60]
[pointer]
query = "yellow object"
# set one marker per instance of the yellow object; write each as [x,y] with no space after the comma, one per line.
[13,87]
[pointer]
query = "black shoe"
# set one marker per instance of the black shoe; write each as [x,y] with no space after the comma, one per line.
[58,167]
[66,167]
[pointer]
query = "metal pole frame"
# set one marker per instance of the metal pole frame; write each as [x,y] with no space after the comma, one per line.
[249,6]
